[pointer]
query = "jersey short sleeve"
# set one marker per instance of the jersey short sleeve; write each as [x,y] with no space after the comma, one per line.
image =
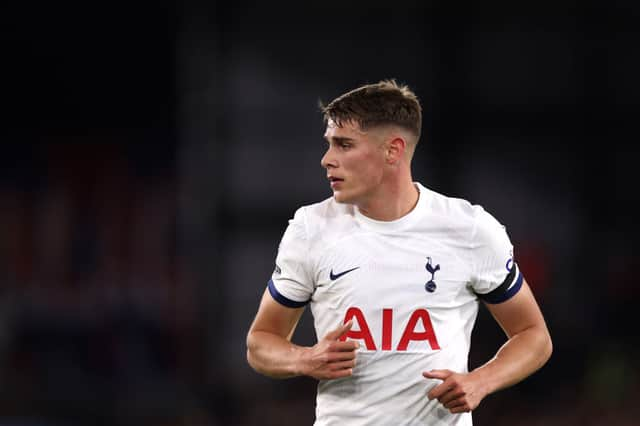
[495,276]
[291,283]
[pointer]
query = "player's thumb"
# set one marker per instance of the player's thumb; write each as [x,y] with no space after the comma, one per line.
[338,332]
[437,374]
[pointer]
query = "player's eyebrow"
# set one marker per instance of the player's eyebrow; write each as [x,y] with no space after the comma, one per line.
[338,139]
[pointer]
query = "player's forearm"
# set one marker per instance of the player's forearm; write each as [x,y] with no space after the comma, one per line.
[519,357]
[273,355]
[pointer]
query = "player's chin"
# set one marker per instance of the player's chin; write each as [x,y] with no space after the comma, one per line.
[340,197]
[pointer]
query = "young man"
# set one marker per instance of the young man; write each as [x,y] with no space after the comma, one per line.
[393,273]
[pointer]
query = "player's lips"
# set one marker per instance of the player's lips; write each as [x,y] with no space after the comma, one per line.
[335,181]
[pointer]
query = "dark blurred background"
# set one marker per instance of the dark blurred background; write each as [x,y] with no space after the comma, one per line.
[153,152]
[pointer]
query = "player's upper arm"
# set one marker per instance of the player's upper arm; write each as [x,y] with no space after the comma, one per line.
[518,313]
[275,318]
[269,348]
[529,345]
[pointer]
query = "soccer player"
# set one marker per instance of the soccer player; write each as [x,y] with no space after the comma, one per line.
[393,273]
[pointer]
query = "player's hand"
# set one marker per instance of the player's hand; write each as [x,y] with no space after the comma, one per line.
[458,392]
[330,358]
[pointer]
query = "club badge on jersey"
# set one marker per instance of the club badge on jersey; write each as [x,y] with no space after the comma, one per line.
[430,286]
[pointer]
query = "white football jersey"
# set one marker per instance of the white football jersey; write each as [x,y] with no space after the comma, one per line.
[411,287]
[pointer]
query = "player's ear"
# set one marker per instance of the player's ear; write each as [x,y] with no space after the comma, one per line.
[395,150]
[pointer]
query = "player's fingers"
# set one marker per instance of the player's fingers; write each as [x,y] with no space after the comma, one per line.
[462,408]
[337,374]
[341,365]
[437,391]
[340,356]
[338,332]
[437,374]
[452,398]
[349,346]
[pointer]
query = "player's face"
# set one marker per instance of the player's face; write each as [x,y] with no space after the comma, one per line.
[354,162]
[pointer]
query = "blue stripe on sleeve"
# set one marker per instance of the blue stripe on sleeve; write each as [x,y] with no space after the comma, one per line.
[504,296]
[283,300]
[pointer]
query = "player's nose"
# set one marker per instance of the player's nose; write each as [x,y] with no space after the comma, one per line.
[328,159]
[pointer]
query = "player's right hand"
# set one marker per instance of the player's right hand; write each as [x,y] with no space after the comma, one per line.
[330,358]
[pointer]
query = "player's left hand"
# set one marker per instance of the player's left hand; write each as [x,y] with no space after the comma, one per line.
[458,392]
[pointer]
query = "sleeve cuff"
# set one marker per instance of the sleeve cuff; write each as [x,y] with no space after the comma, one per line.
[506,290]
[283,300]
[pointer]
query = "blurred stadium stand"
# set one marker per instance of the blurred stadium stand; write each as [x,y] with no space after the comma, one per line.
[153,153]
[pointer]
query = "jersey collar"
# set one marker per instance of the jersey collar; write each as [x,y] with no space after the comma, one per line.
[395,225]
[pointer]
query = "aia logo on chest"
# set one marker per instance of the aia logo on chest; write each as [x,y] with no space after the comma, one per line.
[430,286]
[417,329]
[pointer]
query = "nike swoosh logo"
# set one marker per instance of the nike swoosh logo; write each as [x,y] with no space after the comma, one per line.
[336,276]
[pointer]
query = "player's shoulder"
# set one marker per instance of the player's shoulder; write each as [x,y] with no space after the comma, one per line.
[453,208]
[460,212]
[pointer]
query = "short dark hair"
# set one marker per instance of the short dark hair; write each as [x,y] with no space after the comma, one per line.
[378,104]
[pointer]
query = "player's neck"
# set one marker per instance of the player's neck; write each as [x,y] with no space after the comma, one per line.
[391,202]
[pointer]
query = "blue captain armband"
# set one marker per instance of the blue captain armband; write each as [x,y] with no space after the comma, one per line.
[510,286]
[282,299]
